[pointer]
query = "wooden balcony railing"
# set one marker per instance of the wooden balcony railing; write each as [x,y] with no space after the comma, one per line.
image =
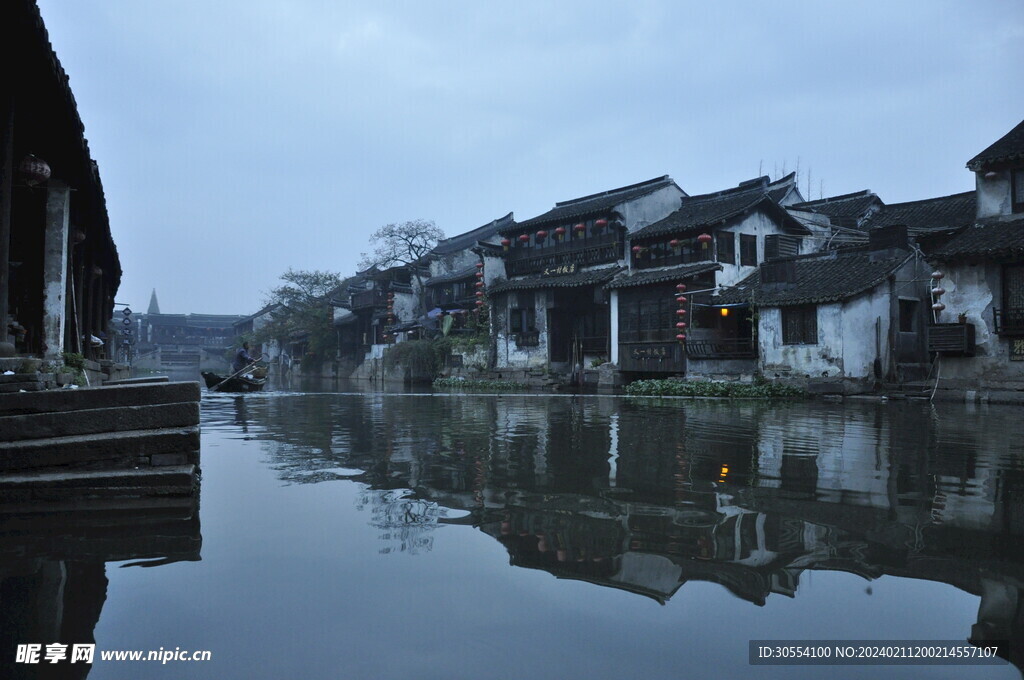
[732,348]
[369,298]
[647,261]
[536,260]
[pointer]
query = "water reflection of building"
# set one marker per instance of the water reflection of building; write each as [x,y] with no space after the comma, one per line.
[645,497]
[53,581]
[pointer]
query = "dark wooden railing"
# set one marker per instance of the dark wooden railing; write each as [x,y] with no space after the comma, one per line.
[369,298]
[1008,321]
[647,261]
[581,253]
[732,348]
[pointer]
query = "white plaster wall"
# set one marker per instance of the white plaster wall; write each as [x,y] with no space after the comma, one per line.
[994,197]
[758,224]
[975,290]
[406,307]
[822,359]
[860,316]
[846,340]
[494,269]
[511,356]
[650,208]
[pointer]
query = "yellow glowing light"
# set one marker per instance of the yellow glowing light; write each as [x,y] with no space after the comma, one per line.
[725,311]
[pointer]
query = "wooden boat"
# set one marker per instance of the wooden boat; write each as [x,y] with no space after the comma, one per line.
[238,383]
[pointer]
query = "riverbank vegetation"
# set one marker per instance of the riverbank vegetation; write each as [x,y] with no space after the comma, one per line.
[760,389]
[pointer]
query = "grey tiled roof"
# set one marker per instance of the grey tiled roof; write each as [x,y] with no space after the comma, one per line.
[707,210]
[846,209]
[595,203]
[991,240]
[469,239]
[645,277]
[1007,149]
[819,278]
[946,213]
[588,277]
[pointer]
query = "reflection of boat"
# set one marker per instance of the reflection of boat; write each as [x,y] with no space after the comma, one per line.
[238,383]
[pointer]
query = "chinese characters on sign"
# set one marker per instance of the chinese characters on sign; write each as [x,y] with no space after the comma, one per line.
[1017,349]
[651,352]
[558,271]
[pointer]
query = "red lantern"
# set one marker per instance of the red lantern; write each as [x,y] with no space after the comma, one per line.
[637,250]
[479,293]
[600,224]
[681,325]
[674,244]
[479,265]
[479,284]
[938,292]
[524,238]
[681,287]
[505,243]
[681,338]
[937,275]
[541,235]
[680,312]
[479,303]
[479,275]
[580,228]
[34,170]
[704,239]
[560,233]
[681,299]
[938,306]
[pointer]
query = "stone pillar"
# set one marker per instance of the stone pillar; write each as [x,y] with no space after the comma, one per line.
[55,267]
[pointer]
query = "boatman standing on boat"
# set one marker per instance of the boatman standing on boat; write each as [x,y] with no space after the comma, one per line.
[242,358]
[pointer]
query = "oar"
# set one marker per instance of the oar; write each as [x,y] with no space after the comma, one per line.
[236,373]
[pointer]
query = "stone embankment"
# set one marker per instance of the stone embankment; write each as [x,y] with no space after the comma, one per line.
[132,440]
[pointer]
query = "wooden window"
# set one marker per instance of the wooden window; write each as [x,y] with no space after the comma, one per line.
[522,313]
[781,245]
[748,250]
[800,325]
[1017,189]
[726,247]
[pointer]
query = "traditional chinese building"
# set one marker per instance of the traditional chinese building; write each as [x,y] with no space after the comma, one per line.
[979,330]
[712,240]
[59,267]
[552,310]
[839,320]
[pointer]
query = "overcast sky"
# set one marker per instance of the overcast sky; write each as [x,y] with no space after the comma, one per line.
[238,138]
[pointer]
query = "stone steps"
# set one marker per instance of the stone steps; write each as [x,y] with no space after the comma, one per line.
[99,397]
[97,420]
[126,449]
[63,486]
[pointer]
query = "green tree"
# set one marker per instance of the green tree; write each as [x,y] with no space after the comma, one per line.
[302,306]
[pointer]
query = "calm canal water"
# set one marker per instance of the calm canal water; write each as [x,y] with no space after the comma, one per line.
[365,535]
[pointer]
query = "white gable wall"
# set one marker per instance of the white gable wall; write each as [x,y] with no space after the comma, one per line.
[846,340]
[649,209]
[757,223]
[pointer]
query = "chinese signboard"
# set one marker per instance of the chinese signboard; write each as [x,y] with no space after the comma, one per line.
[1017,349]
[559,271]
